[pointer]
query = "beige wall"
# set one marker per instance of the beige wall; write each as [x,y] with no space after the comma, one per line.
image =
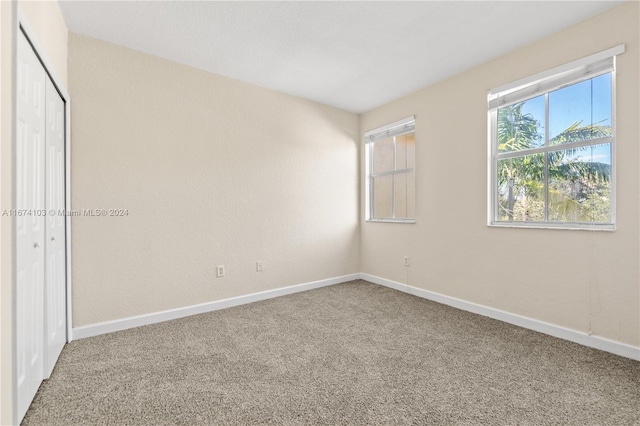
[49,29]
[212,171]
[587,281]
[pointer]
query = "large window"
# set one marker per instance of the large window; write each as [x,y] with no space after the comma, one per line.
[551,148]
[391,173]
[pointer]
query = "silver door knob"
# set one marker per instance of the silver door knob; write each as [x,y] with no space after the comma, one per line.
[36,245]
[53,238]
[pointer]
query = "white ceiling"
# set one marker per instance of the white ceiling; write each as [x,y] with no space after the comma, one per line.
[351,55]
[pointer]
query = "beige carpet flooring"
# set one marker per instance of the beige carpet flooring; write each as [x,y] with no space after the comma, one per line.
[349,354]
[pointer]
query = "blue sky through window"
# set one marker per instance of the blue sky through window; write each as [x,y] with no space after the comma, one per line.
[588,101]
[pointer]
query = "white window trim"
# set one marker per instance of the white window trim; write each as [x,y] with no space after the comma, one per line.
[397,128]
[535,85]
[571,66]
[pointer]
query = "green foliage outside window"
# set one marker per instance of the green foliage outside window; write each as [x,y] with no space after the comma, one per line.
[577,185]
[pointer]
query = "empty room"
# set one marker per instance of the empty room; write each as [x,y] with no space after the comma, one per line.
[317,212]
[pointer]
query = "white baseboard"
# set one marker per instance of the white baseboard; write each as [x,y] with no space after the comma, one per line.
[575,336]
[140,320]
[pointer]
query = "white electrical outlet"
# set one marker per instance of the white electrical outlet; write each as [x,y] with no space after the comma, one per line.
[259,266]
[220,271]
[406,261]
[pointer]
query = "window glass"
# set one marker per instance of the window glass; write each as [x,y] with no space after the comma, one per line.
[383,156]
[521,188]
[521,126]
[562,176]
[390,156]
[411,151]
[580,185]
[383,196]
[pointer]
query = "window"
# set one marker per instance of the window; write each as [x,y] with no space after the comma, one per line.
[551,147]
[391,173]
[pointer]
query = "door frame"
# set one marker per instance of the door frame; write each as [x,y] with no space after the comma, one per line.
[24,27]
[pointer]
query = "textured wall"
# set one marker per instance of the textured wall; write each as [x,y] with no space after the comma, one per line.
[212,171]
[587,281]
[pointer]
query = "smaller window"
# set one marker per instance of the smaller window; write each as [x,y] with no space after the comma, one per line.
[391,172]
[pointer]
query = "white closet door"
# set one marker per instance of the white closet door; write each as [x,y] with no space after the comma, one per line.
[55,288]
[30,223]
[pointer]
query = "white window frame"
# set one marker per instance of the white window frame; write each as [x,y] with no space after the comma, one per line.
[398,128]
[541,84]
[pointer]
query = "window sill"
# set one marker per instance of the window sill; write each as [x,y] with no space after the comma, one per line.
[392,220]
[564,226]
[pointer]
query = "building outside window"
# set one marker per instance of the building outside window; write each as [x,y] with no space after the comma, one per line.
[391,173]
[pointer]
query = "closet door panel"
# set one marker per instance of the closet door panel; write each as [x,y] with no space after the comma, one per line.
[30,223]
[55,276]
